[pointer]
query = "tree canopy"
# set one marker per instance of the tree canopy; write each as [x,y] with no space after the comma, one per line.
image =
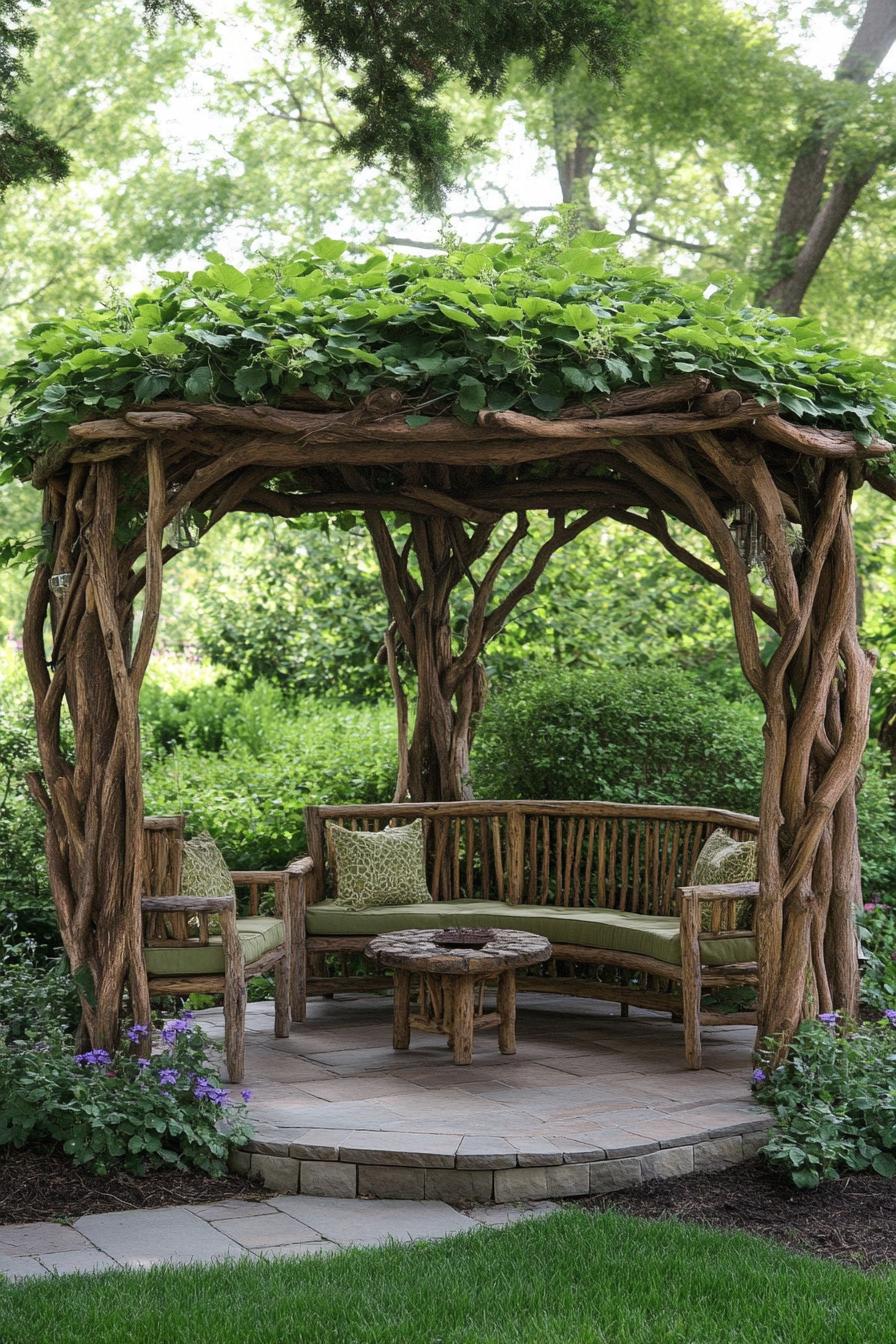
[530,323]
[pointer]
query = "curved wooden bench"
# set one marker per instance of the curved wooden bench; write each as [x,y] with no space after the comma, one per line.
[604,881]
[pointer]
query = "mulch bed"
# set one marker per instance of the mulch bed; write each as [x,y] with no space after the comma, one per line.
[852,1220]
[42,1183]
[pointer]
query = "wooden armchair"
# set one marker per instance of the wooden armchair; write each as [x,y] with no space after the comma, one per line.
[183,955]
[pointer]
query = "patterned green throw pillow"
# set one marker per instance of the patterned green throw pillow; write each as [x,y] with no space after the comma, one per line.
[204,870]
[379,867]
[724,859]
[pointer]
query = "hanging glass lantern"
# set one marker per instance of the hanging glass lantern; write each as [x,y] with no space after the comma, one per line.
[60,583]
[744,528]
[182,532]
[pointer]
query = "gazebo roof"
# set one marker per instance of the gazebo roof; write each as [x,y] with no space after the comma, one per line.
[488,354]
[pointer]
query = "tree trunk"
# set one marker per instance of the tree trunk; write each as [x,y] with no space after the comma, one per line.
[809,219]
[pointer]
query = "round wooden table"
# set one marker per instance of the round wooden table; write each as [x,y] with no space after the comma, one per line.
[451,985]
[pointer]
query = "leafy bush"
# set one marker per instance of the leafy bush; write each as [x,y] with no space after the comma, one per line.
[877,929]
[633,735]
[650,735]
[877,826]
[35,999]
[274,758]
[165,1109]
[834,1100]
[24,891]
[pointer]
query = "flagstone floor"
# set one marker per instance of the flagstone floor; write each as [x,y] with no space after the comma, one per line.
[585,1085]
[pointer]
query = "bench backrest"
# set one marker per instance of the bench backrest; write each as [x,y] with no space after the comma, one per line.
[610,855]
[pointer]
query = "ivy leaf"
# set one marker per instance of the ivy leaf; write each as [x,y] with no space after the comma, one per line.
[464,319]
[150,386]
[330,249]
[165,343]
[471,393]
[199,384]
[250,378]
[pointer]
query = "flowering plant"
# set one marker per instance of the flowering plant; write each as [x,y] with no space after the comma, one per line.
[834,1099]
[137,1111]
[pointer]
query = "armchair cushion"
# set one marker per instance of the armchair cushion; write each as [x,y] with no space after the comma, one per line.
[204,870]
[258,935]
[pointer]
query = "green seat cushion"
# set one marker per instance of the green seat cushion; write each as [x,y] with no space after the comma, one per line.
[258,935]
[614,930]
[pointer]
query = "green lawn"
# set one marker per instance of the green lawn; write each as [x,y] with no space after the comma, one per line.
[567,1279]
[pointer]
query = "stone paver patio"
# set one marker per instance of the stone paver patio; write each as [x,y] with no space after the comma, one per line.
[591,1101]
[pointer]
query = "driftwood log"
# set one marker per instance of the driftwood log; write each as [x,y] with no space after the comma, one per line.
[683,453]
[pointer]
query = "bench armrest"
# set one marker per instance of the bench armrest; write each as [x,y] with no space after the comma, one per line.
[248,877]
[194,905]
[723,891]
[301,866]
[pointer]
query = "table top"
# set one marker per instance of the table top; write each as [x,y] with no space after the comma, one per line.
[415,950]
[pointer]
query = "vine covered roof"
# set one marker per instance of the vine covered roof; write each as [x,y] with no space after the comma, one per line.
[532,324]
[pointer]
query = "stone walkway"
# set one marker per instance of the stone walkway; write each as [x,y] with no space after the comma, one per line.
[288,1227]
[590,1101]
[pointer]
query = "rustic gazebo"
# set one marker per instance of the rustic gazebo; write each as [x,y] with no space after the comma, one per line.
[690,448]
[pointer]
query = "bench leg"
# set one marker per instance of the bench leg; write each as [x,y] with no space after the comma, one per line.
[691,986]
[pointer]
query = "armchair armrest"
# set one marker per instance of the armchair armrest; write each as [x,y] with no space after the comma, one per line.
[195,905]
[301,866]
[723,891]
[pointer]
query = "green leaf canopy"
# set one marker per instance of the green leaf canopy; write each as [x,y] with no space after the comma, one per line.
[532,323]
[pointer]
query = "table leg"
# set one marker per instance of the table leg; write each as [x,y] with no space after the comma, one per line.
[507,1012]
[401,1010]
[462,1014]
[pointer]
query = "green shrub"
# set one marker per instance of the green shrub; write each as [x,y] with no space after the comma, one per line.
[834,1100]
[165,1109]
[25,906]
[877,929]
[35,999]
[651,735]
[250,793]
[877,826]
[210,717]
[633,735]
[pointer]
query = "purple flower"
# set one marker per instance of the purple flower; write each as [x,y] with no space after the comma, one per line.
[206,1091]
[247,1095]
[137,1032]
[94,1057]
[187,1015]
[829,1019]
[172,1030]
[869,906]
[759,1075]
[168,1077]
[890,1015]
[142,1063]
